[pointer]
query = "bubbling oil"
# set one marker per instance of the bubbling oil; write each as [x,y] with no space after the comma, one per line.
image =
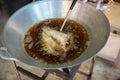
[33,41]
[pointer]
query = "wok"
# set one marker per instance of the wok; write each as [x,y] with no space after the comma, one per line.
[93,20]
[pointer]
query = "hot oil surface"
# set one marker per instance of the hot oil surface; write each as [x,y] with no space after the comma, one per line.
[32,40]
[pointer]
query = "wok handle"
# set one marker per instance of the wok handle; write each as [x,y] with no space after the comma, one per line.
[5,55]
[105,6]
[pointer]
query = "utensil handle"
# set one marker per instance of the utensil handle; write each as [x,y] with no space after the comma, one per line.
[104,7]
[73,4]
[5,55]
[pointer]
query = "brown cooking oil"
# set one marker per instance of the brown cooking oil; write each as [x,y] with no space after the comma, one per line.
[32,40]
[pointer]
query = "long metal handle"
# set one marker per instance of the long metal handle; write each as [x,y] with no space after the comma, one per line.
[69,12]
[5,55]
[73,4]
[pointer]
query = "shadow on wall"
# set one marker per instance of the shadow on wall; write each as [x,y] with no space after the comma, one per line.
[13,5]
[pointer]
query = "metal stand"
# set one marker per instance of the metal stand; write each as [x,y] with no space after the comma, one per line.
[65,74]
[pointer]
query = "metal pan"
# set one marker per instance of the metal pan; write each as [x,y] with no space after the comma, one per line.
[94,21]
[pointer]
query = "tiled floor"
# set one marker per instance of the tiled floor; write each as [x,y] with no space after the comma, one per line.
[113,14]
[8,72]
[103,70]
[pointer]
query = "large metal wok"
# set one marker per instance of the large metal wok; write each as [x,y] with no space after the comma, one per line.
[94,21]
